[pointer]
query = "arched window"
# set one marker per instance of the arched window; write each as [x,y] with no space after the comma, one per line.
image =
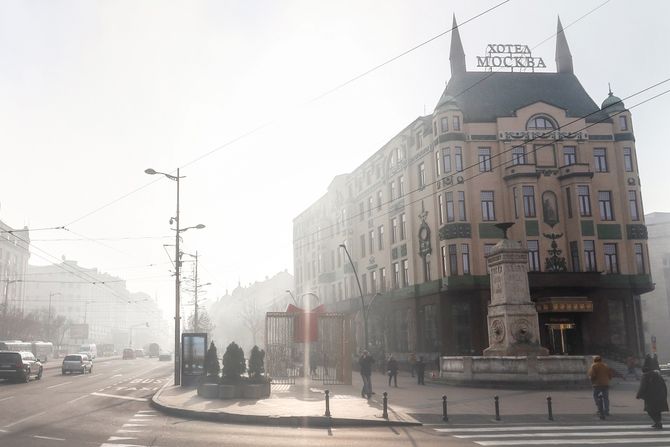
[540,122]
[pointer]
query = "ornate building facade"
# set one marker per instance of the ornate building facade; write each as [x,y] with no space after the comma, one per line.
[419,216]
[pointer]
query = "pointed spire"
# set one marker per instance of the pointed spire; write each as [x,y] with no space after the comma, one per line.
[563,55]
[456,53]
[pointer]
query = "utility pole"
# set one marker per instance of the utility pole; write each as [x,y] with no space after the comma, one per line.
[195,294]
[177,303]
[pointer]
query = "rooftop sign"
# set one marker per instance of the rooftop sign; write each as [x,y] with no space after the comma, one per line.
[513,56]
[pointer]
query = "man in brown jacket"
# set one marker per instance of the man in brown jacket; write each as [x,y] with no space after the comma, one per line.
[600,375]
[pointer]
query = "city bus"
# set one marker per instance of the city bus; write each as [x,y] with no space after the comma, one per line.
[15,345]
[42,350]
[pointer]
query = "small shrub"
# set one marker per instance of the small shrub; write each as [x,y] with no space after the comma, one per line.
[233,363]
[256,364]
[212,367]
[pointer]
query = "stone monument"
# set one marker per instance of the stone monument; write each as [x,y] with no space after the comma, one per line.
[512,318]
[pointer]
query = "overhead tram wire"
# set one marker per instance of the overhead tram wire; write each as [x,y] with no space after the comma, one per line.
[308,102]
[476,164]
[23,230]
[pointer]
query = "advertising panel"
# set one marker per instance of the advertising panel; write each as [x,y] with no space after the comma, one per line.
[193,348]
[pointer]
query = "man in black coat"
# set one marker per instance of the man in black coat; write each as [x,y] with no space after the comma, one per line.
[420,370]
[654,392]
[365,363]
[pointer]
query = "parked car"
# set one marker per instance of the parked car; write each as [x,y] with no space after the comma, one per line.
[128,354]
[77,363]
[19,366]
[164,357]
[139,352]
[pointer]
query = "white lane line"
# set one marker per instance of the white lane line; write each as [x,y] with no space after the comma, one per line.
[4,431]
[120,438]
[116,396]
[49,438]
[120,445]
[570,435]
[134,425]
[634,441]
[57,385]
[137,420]
[6,398]
[147,411]
[25,419]
[76,399]
[541,428]
[142,415]
[129,431]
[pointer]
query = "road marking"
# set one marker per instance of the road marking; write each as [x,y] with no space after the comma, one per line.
[540,428]
[144,415]
[120,445]
[129,431]
[49,438]
[116,375]
[57,385]
[116,396]
[147,411]
[78,398]
[570,435]
[24,419]
[134,425]
[6,398]
[3,431]
[120,438]
[635,441]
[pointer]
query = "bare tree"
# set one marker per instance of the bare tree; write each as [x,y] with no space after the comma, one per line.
[205,323]
[252,318]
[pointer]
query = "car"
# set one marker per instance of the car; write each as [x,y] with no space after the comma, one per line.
[164,357]
[77,363]
[128,354]
[139,352]
[19,366]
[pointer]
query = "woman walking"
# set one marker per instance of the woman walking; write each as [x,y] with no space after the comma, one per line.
[654,392]
[392,370]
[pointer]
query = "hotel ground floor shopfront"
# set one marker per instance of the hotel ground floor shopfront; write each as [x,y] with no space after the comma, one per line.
[579,313]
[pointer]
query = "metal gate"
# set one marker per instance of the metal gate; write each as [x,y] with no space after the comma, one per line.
[280,354]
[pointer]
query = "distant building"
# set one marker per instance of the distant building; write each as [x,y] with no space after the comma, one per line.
[14,255]
[419,217]
[656,304]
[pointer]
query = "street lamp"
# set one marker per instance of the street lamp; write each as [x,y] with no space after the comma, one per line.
[177,333]
[360,290]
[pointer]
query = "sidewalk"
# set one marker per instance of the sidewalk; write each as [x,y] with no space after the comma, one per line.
[303,404]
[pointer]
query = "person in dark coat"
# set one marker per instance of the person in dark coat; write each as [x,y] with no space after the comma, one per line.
[420,370]
[392,370]
[365,363]
[654,392]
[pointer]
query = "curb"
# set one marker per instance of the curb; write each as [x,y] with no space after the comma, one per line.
[281,421]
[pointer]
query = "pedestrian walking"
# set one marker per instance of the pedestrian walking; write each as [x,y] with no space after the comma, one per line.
[600,375]
[654,392]
[631,364]
[420,370]
[392,370]
[365,362]
[312,364]
[412,363]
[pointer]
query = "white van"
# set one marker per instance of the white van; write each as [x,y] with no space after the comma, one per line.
[89,349]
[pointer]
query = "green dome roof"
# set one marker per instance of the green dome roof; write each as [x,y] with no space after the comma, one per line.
[613,103]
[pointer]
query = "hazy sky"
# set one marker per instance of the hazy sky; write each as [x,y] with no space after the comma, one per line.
[92,93]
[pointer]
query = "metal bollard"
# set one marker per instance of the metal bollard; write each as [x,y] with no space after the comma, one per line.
[327,404]
[445,418]
[385,401]
[496,401]
[549,409]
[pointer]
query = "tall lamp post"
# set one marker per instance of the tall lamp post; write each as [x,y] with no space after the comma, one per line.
[360,290]
[177,263]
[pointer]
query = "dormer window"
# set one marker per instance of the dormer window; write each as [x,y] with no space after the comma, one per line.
[445,124]
[623,123]
[456,123]
[540,122]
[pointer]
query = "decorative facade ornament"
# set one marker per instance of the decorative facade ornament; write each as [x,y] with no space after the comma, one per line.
[555,262]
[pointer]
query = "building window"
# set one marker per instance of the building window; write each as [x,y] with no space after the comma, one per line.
[458,158]
[450,206]
[443,254]
[380,237]
[590,256]
[403,226]
[396,275]
[371,241]
[605,204]
[519,155]
[361,211]
[438,164]
[488,248]
[600,159]
[382,279]
[584,200]
[394,230]
[632,204]
[364,283]
[435,128]
[488,206]
[639,259]
[373,281]
[540,123]
[456,121]
[465,258]
[453,260]
[534,256]
[362,245]
[446,160]
[380,199]
[484,159]
[401,186]
[516,204]
[623,122]
[422,175]
[568,201]
[461,206]
[611,264]
[405,273]
[628,159]
[574,255]
[393,191]
[370,206]
[569,155]
[529,201]
[440,211]
[444,122]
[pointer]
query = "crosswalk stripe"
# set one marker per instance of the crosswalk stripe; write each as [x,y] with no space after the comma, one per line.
[635,441]
[571,435]
[540,428]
